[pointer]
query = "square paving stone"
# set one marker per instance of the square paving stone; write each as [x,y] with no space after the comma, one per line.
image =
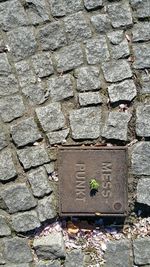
[42,64]
[143,191]
[101,23]
[142,55]
[120,14]
[77,166]
[8,85]
[143,120]
[141,8]
[37,11]
[35,93]
[92,4]
[141,249]
[58,137]
[140,156]
[7,167]
[5,67]
[25,74]
[47,208]
[90,98]
[57,8]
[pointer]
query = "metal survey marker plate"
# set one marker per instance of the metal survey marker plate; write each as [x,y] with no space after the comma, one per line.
[78,166]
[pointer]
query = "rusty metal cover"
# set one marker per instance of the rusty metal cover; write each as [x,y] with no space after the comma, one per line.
[77,166]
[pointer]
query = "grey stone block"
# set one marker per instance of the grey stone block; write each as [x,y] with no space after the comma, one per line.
[8,85]
[7,167]
[118,254]
[115,71]
[25,73]
[54,263]
[49,167]
[123,91]
[58,137]
[121,50]
[116,126]
[3,140]
[12,15]
[97,50]
[5,68]
[57,8]
[88,78]
[50,247]
[142,55]
[85,123]
[141,32]
[143,191]
[52,36]
[37,11]
[4,228]
[101,22]
[39,182]
[141,248]
[141,8]
[51,117]
[140,158]
[145,83]
[69,58]
[25,132]
[35,93]
[120,14]
[60,87]
[11,107]
[25,221]
[116,37]
[92,4]
[22,42]
[18,197]
[17,265]
[16,250]
[74,258]
[77,28]
[143,120]
[42,64]
[46,208]
[72,6]
[33,156]
[90,98]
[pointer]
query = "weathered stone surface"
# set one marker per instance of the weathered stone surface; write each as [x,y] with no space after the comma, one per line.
[121,50]
[35,93]
[141,248]
[42,64]
[92,4]
[74,258]
[115,37]
[77,28]
[123,91]
[142,56]
[88,78]
[12,15]
[50,247]
[141,32]
[16,250]
[54,263]
[69,58]
[145,83]
[25,132]
[17,265]
[8,85]
[5,68]
[33,156]
[25,221]
[49,167]
[116,126]
[97,50]
[90,98]
[13,104]
[85,123]
[143,120]
[25,73]
[115,71]
[37,11]
[51,117]
[39,182]
[3,140]
[58,137]
[52,36]
[57,8]
[7,167]
[141,8]
[21,42]
[118,254]
[101,22]
[46,208]
[73,6]
[60,87]
[143,191]
[140,158]
[18,197]
[4,228]
[120,14]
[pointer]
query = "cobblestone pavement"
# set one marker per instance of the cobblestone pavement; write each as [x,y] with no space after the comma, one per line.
[71,72]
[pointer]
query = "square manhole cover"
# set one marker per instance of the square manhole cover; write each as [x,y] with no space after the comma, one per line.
[77,167]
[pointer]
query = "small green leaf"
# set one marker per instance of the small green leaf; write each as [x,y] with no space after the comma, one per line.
[94,185]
